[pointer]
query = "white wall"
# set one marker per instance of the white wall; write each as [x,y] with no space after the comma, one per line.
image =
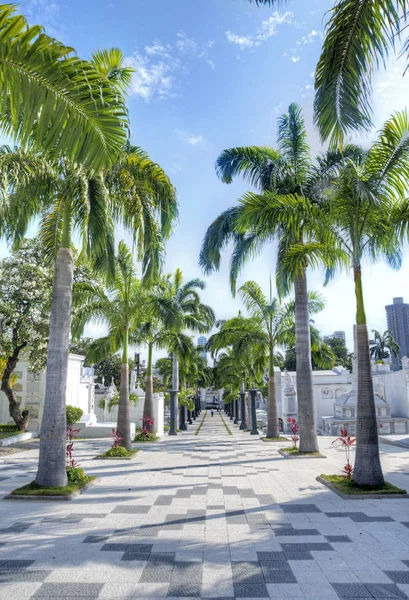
[137,413]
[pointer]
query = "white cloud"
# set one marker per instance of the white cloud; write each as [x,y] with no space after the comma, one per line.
[243,41]
[295,59]
[278,107]
[152,79]
[269,28]
[189,138]
[159,66]
[266,30]
[312,37]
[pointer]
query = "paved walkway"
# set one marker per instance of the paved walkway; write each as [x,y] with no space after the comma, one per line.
[209,516]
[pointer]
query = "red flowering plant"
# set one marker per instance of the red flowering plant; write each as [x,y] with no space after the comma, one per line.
[116,438]
[346,441]
[294,428]
[74,472]
[144,434]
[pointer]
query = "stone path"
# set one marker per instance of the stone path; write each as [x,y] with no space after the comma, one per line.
[207,516]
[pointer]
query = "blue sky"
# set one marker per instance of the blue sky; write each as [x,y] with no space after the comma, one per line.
[211,74]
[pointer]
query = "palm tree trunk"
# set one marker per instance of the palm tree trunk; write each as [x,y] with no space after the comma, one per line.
[367,469]
[175,386]
[272,412]
[124,412]
[305,394]
[51,465]
[148,409]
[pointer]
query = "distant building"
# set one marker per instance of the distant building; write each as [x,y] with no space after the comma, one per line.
[397,317]
[201,343]
[339,334]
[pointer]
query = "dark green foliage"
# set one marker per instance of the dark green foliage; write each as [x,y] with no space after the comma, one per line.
[74,414]
[342,354]
[145,436]
[33,489]
[76,475]
[117,451]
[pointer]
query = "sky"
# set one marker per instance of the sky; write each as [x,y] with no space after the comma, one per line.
[210,75]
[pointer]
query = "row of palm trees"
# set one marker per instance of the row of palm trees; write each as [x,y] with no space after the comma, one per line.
[157,316]
[346,207]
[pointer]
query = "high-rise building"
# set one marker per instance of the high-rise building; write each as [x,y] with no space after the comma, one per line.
[339,334]
[201,343]
[397,317]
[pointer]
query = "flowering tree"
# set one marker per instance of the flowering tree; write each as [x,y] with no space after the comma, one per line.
[25,297]
[346,441]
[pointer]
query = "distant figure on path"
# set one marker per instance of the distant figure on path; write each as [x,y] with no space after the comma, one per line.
[212,412]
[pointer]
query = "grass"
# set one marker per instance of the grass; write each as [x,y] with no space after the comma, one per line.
[292,450]
[109,454]
[275,439]
[347,486]
[7,430]
[33,489]
[226,426]
[201,424]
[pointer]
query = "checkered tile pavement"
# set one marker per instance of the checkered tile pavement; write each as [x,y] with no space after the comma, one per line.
[207,516]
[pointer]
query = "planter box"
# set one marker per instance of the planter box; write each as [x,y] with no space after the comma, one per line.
[288,455]
[35,497]
[20,437]
[373,496]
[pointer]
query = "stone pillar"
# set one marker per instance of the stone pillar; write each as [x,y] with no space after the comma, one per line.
[243,424]
[254,430]
[173,414]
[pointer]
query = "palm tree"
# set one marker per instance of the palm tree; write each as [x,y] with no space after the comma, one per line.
[119,308]
[283,176]
[192,315]
[359,213]
[383,345]
[69,198]
[359,36]
[55,102]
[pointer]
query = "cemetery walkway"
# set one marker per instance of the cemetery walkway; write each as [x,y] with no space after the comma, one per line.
[207,516]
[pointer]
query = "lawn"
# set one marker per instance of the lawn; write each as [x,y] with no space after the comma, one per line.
[347,486]
[33,489]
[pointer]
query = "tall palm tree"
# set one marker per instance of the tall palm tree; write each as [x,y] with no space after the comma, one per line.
[358,36]
[383,345]
[55,102]
[67,198]
[360,213]
[277,322]
[284,174]
[118,307]
[192,315]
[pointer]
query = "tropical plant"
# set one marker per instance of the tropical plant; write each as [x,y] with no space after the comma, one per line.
[191,314]
[67,197]
[383,345]
[358,36]
[291,189]
[73,414]
[294,429]
[347,441]
[360,211]
[55,102]
[25,298]
[119,308]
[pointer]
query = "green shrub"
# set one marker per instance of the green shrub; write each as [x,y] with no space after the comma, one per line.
[144,436]
[76,475]
[117,451]
[74,414]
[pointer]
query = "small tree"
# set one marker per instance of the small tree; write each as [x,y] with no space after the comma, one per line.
[25,298]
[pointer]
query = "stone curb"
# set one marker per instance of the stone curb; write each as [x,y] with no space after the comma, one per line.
[20,437]
[53,498]
[329,485]
[263,439]
[384,440]
[304,456]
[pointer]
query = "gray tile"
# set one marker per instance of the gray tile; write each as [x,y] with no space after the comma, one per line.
[398,576]
[266,557]
[95,539]
[272,575]
[156,574]
[385,590]
[351,590]
[250,590]
[319,547]
[184,590]
[338,538]
[247,572]
[114,547]
[132,556]
[22,576]
[298,556]
[8,565]
[80,590]
[130,509]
